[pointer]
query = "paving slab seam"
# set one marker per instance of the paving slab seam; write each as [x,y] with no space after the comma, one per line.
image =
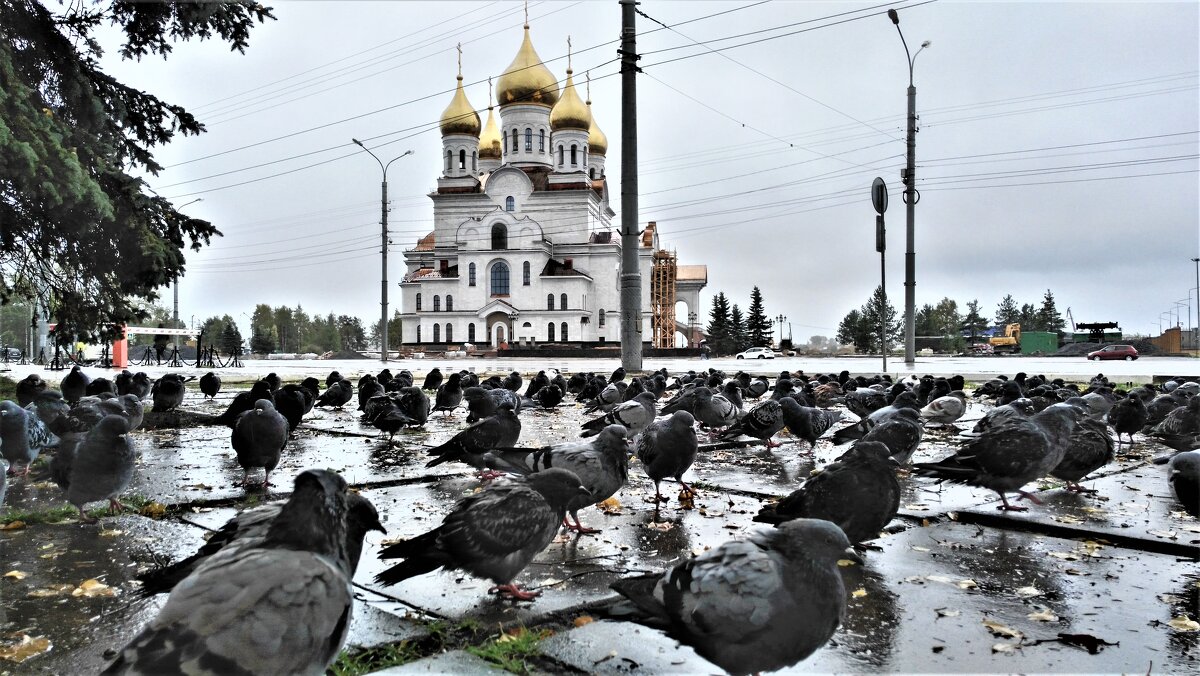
[1065,532]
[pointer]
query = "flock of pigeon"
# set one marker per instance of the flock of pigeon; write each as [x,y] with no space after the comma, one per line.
[270,592]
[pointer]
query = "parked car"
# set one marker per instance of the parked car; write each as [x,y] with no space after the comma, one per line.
[757,353]
[11,354]
[1126,352]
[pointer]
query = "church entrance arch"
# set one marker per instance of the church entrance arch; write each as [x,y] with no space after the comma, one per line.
[497,326]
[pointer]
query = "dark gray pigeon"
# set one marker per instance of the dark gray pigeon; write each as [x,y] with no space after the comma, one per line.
[1090,449]
[901,433]
[609,397]
[337,395]
[291,401]
[368,387]
[140,385]
[449,394]
[168,393]
[258,439]
[210,384]
[28,388]
[806,422]
[859,492]
[432,380]
[1001,415]
[760,422]
[99,386]
[279,608]
[248,529]
[1184,477]
[1006,457]
[1127,416]
[493,534]
[667,448]
[274,381]
[1180,428]
[601,463]
[103,466]
[498,431]
[863,400]
[549,396]
[711,409]
[633,415]
[752,605]
[14,438]
[74,385]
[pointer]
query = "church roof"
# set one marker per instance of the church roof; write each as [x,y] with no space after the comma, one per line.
[426,243]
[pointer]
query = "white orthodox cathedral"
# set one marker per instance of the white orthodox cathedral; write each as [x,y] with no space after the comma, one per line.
[523,250]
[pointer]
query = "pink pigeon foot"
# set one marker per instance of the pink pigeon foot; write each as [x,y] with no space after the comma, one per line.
[512,591]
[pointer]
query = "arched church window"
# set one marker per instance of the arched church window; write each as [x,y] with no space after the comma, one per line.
[510,204]
[525,273]
[573,156]
[500,279]
[499,236]
[528,140]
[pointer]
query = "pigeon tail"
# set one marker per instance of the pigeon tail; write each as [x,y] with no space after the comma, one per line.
[420,555]
[639,601]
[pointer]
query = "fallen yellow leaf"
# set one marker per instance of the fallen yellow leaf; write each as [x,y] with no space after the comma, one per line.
[53,590]
[1029,591]
[583,620]
[858,593]
[24,649]
[610,506]
[13,525]
[16,575]
[1184,623]
[1043,615]
[967,584]
[154,510]
[93,587]
[1001,630]
[110,533]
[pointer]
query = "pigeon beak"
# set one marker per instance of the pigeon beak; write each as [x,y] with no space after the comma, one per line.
[852,555]
[379,527]
[584,493]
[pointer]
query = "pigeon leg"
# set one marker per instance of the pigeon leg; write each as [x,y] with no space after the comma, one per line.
[691,491]
[83,517]
[512,591]
[1078,488]
[266,480]
[28,469]
[772,444]
[579,527]
[115,507]
[1030,496]
[490,475]
[1010,508]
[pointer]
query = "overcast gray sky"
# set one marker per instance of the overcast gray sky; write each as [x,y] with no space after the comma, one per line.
[1058,147]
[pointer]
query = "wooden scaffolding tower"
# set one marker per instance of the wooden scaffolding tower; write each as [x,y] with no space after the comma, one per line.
[662,299]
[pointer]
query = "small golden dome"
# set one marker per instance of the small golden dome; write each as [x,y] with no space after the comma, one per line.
[597,141]
[527,79]
[460,116]
[570,111]
[489,140]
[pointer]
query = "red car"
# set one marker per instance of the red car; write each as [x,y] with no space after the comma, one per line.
[1126,352]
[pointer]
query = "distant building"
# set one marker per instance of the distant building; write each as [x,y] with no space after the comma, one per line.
[523,248]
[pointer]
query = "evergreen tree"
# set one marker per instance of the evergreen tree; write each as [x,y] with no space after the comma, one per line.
[718,325]
[353,335]
[974,323]
[1028,318]
[926,322]
[76,153]
[1007,311]
[758,327]
[739,338]
[231,339]
[303,325]
[1048,315]
[880,311]
[261,344]
[285,328]
[854,330]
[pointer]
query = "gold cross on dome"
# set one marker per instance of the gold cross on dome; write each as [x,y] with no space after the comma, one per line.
[459,47]
[568,52]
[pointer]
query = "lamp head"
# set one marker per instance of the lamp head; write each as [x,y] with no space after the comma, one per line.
[358,143]
[894,16]
[926,44]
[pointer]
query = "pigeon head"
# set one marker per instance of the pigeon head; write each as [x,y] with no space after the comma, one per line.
[682,421]
[558,486]
[112,426]
[474,393]
[314,517]
[906,399]
[361,518]
[311,384]
[873,449]
[646,398]
[816,540]
[264,405]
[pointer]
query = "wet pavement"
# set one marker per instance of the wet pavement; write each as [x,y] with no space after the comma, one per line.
[956,586]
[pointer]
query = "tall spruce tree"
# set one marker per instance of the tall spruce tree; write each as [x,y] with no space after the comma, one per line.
[83,236]
[758,326]
[1007,311]
[880,311]
[718,324]
[974,323]
[739,339]
[1048,315]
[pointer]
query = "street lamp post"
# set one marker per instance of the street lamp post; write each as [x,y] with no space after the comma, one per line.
[909,177]
[780,319]
[383,249]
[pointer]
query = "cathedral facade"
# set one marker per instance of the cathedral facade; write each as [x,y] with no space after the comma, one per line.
[523,249]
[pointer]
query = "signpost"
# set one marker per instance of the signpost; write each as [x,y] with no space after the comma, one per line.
[879,200]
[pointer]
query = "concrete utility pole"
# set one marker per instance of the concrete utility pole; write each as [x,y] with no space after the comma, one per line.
[631,275]
[909,177]
[383,249]
[1196,342]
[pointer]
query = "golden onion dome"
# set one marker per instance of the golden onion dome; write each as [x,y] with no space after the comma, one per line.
[570,111]
[460,116]
[597,141]
[527,79]
[489,140]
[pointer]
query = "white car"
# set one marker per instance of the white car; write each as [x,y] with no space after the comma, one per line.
[757,353]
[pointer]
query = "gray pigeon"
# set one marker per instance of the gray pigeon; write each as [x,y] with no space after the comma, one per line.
[752,605]
[1001,415]
[282,607]
[338,394]
[501,430]
[712,409]
[1090,449]
[901,433]
[449,394]
[1006,457]
[74,384]
[946,410]
[859,430]
[40,436]
[806,422]
[610,396]
[494,533]
[601,463]
[258,439]
[249,528]
[667,448]
[14,437]
[1127,416]
[28,388]
[168,392]
[633,415]
[103,466]
[859,492]
[1184,477]
[760,422]
[1180,428]
[210,384]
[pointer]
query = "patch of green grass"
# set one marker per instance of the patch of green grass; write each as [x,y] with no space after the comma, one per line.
[8,388]
[354,663]
[61,513]
[511,650]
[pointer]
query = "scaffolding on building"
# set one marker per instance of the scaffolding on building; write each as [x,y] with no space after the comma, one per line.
[662,299]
